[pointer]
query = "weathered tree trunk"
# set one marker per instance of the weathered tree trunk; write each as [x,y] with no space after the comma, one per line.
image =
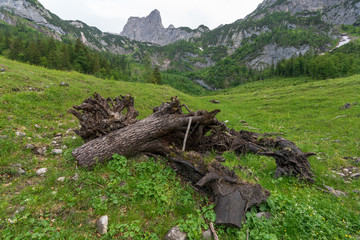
[232,196]
[108,131]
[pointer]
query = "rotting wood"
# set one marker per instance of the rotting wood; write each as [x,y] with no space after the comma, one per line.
[109,130]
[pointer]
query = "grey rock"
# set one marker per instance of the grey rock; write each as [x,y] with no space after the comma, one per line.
[340,174]
[37,126]
[16,165]
[41,150]
[41,171]
[29,146]
[20,134]
[356,191]
[336,141]
[61,179]
[102,225]
[21,171]
[2,69]
[58,135]
[346,106]
[175,234]
[57,151]
[207,235]
[75,177]
[263,214]
[64,147]
[64,84]
[346,170]
[337,193]
[355,175]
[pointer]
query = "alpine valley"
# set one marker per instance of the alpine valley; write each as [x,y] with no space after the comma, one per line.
[259,139]
[276,31]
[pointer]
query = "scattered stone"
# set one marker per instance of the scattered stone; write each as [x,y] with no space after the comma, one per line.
[356,191]
[214,101]
[346,170]
[21,171]
[29,146]
[75,177]
[61,179]
[64,147]
[16,165]
[102,225]
[74,137]
[57,151]
[41,150]
[336,141]
[41,171]
[2,69]
[175,234]
[70,130]
[20,134]
[207,235]
[337,193]
[58,135]
[37,126]
[220,159]
[356,175]
[263,214]
[18,211]
[346,106]
[64,84]
[340,174]
[3,137]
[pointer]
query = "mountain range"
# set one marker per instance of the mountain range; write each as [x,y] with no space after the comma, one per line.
[276,30]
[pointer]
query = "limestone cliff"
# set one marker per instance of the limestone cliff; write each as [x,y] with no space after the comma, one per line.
[150,29]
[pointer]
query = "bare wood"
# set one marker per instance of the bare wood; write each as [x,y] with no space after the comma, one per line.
[187,133]
[213,231]
[341,116]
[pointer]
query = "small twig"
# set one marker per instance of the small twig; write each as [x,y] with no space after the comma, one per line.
[339,117]
[247,234]
[213,231]
[186,108]
[186,134]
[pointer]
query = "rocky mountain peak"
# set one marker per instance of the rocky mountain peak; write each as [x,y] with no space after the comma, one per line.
[150,29]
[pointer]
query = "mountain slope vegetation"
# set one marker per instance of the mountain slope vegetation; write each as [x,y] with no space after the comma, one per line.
[144,198]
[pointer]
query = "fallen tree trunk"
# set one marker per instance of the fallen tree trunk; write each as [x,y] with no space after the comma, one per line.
[167,131]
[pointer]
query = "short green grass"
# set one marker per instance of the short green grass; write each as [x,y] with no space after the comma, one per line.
[144,198]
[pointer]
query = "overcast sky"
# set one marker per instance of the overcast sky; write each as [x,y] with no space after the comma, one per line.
[111,15]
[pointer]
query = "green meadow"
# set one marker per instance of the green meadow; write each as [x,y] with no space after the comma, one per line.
[145,198]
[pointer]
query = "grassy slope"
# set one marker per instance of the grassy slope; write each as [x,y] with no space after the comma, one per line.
[302,109]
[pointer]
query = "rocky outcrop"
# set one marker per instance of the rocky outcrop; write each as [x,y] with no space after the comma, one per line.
[150,29]
[333,11]
[272,54]
[32,11]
